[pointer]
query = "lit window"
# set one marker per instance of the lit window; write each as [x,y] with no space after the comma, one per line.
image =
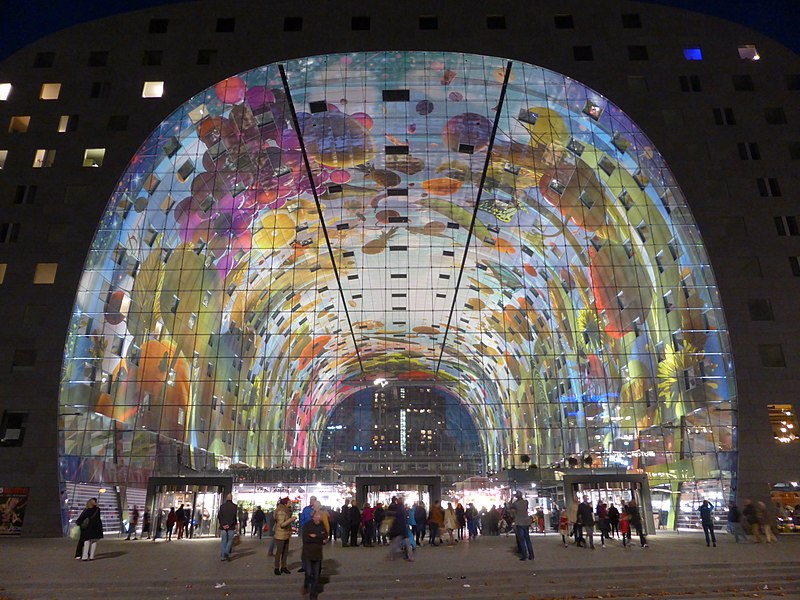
[3,267]
[44,158]
[93,157]
[693,53]
[153,89]
[5,91]
[45,273]
[748,52]
[3,157]
[784,422]
[67,123]
[19,124]
[50,91]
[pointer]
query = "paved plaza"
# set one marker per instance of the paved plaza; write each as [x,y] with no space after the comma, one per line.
[674,566]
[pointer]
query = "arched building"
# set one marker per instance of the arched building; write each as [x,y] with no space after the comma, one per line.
[232,241]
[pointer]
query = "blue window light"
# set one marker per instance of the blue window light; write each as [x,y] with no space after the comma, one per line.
[693,53]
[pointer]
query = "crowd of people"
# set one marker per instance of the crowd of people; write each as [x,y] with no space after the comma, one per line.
[405,528]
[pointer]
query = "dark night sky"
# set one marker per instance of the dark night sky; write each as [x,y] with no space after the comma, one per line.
[24,21]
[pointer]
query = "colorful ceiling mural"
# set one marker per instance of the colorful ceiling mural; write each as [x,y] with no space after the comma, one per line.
[459,221]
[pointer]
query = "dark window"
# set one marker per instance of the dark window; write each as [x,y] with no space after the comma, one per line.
[98,58]
[152,58]
[793,82]
[743,83]
[24,360]
[100,89]
[117,123]
[631,21]
[25,194]
[12,428]
[583,52]
[749,151]
[690,83]
[226,25]
[637,53]
[771,355]
[564,22]
[787,226]
[9,233]
[794,262]
[724,116]
[775,115]
[360,23]
[768,187]
[794,150]
[158,26]
[205,56]
[293,24]
[429,22]
[44,60]
[496,22]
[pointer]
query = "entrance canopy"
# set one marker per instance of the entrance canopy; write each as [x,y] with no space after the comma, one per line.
[301,231]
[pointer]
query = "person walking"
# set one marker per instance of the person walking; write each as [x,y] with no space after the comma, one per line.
[398,527]
[420,517]
[706,511]
[171,519]
[522,525]
[344,524]
[368,524]
[314,536]
[258,522]
[765,521]
[625,527]
[435,522]
[636,522]
[563,527]
[146,524]
[461,517]
[180,521]
[283,533]
[355,523]
[450,523]
[91,526]
[572,514]
[586,519]
[603,524]
[226,518]
[134,524]
[735,522]
[613,519]
[751,517]
[472,521]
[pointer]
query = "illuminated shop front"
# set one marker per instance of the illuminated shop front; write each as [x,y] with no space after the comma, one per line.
[303,231]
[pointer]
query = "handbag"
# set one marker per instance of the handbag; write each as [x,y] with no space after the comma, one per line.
[236,539]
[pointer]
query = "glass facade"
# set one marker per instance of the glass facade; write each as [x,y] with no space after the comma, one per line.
[454,221]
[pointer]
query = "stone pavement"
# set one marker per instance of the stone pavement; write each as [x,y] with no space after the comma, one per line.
[675,566]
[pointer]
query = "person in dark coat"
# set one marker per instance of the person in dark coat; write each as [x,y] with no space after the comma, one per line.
[91,526]
[421,517]
[398,530]
[355,523]
[314,536]
[258,522]
[636,522]
[344,523]
[226,518]
[706,511]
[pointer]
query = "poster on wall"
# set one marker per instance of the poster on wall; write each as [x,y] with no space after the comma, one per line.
[12,510]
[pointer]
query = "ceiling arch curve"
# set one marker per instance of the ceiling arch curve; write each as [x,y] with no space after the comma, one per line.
[297,231]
